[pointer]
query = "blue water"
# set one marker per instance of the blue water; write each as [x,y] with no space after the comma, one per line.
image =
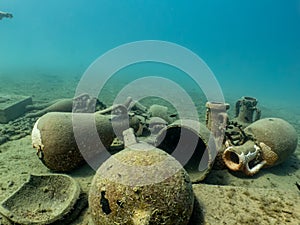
[252,47]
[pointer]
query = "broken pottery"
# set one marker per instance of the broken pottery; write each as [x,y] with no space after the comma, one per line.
[246,111]
[270,142]
[43,199]
[192,144]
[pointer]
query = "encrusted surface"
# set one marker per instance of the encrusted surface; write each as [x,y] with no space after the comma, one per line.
[125,196]
[13,106]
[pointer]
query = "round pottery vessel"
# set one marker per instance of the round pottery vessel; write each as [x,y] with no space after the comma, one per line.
[141,185]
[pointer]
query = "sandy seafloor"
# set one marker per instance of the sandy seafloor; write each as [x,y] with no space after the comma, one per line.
[270,197]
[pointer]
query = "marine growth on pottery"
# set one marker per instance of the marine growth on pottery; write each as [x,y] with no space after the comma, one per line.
[192,144]
[271,142]
[53,137]
[141,185]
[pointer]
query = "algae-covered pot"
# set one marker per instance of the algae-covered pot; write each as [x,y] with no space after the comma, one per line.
[272,141]
[53,137]
[141,185]
[192,144]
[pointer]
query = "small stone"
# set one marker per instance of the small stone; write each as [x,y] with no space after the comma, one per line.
[10,183]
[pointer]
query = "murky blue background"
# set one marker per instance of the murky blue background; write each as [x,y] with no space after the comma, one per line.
[253,47]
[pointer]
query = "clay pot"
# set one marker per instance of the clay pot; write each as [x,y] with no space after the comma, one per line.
[141,185]
[246,111]
[192,144]
[161,112]
[272,141]
[53,137]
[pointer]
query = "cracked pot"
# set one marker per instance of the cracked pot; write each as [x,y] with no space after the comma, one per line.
[272,141]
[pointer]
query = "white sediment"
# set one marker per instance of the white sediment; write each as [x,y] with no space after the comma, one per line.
[36,136]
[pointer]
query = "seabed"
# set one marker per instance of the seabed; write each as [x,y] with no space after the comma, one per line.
[224,197]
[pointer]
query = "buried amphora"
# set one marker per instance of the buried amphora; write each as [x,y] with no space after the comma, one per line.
[269,142]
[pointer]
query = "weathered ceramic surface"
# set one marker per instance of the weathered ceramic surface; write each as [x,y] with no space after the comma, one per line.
[191,143]
[139,187]
[53,137]
[43,199]
[276,133]
[246,111]
[271,142]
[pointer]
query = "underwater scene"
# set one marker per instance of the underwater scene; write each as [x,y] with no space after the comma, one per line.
[149,112]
